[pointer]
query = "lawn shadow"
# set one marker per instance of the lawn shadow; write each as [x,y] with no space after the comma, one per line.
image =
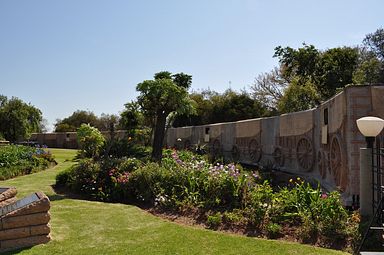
[16,251]
[64,193]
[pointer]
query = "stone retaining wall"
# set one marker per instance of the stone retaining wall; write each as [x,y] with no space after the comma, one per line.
[24,222]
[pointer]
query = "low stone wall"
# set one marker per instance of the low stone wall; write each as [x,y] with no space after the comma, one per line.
[24,222]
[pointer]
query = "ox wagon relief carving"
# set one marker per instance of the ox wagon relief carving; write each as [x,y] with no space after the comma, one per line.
[320,143]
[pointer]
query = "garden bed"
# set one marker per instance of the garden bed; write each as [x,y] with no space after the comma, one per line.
[186,188]
[16,160]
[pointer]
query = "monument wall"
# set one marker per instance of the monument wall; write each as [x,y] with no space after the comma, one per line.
[321,143]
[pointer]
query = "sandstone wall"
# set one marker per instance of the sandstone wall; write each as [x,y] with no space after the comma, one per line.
[25,222]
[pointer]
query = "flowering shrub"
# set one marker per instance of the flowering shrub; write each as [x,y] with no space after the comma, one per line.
[226,193]
[90,140]
[18,160]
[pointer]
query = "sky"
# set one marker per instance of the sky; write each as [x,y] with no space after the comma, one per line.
[63,56]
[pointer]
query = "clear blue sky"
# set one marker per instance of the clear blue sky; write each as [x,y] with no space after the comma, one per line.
[86,54]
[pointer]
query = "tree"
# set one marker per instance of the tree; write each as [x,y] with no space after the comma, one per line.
[131,117]
[375,41]
[158,98]
[73,122]
[212,107]
[18,119]
[106,122]
[335,70]
[298,63]
[369,70]
[298,97]
[326,70]
[43,126]
[268,88]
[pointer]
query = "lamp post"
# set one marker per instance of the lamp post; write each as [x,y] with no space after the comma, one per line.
[370,127]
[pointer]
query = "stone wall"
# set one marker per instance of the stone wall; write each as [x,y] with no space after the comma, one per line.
[322,143]
[65,140]
[25,222]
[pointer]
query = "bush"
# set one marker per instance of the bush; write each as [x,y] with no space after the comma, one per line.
[214,221]
[237,197]
[18,160]
[273,230]
[90,140]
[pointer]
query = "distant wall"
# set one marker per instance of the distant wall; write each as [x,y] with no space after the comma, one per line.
[66,140]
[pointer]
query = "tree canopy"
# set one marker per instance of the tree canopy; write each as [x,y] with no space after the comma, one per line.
[213,107]
[18,119]
[74,121]
[159,97]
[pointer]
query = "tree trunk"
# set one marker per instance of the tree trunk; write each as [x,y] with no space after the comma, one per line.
[158,139]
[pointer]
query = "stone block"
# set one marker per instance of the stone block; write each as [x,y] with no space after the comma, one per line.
[14,233]
[25,220]
[40,230]
[37,202]
[7,193]
[8,201]
[23,242]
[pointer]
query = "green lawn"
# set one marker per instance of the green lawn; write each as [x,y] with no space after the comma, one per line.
[86,227]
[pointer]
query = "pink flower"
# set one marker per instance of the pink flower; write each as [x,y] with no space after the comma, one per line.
[324,196]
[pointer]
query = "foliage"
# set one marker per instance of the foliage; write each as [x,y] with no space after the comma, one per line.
[375,41]
[90,140]
[212,107]
[18,119]
[369,71]
[335,70]
[301,62]
[215,220]
[74,121]
[273,230]
[130,118]
[158,98]
[298,97]
[327,70]
[127,229]
[227,194]
[268,88]
[18,160]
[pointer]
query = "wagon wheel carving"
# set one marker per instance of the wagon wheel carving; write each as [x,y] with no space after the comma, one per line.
[187,145]
[336,163]
[335,156]
[278,157]
[321,165]
[305,154]
[235,153]
[215,148]
[254,150]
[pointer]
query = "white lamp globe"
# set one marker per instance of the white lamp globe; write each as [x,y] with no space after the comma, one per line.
[370,126]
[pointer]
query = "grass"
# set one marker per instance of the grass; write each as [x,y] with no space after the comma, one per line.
[88,227]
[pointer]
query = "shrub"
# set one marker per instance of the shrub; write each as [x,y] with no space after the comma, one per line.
[90,140]
[18,160]
[185,181]
[273,230]
[214,221]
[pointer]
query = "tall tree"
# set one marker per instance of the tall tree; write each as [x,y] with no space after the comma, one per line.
[158,98]
[375,41]
[268,88]
[18,119]
[131,117]
[326,70]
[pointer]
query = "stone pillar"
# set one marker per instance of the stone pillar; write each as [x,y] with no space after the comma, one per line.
[366,182]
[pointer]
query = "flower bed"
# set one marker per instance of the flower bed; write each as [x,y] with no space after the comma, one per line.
[18,160]
[223,196]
